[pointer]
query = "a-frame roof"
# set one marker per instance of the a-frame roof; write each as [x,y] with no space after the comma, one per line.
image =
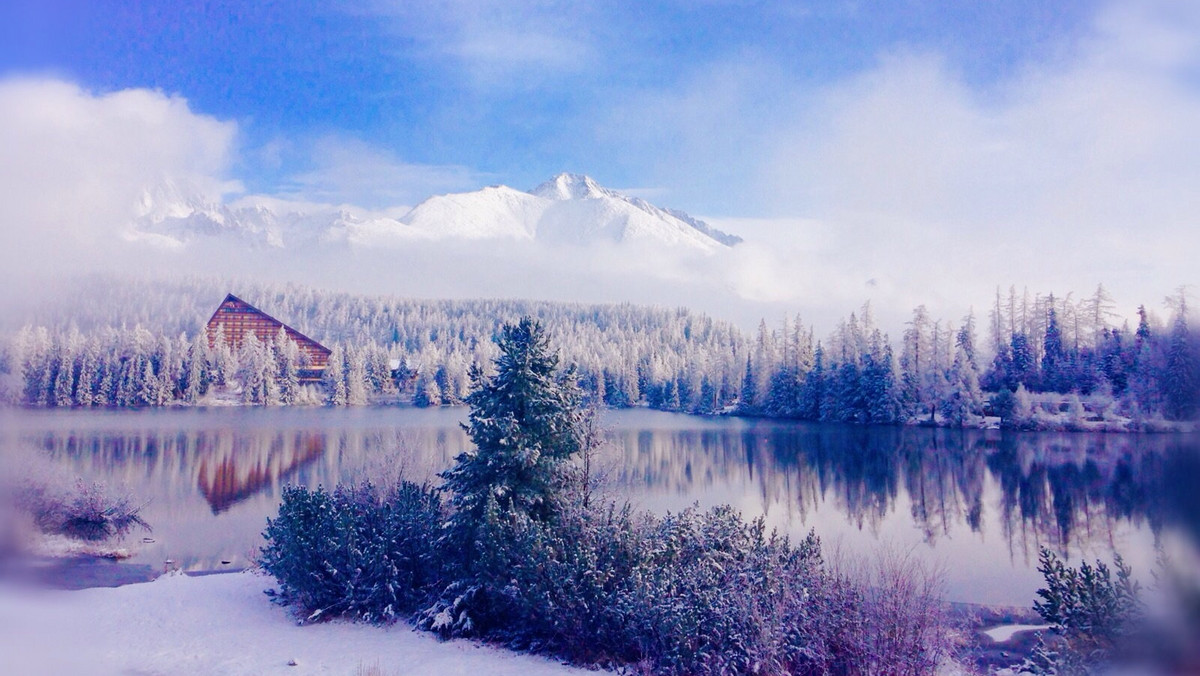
[231,299]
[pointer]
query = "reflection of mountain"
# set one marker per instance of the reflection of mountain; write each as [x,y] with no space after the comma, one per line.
[248,468]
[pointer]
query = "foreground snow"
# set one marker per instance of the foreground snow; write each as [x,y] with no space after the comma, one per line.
[219,624]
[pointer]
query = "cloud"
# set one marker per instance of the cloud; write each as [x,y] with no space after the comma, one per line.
[1070,173]
[1064,172]
[75,163]
[499,44]
[80,167]
[345,170]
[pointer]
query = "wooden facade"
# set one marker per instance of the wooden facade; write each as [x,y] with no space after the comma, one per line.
[236,319]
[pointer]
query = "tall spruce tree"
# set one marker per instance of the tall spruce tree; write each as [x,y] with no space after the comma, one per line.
[1179,382]
[1054,357]
[524,423]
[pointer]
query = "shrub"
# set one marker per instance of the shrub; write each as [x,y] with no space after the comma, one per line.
[715,594]
[699,592]
[546,586]
[880,616]
[1090,611]
[88,512]
[357,551]
[1002,403]
[1089,600]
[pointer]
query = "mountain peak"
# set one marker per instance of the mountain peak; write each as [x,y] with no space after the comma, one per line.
[567,186]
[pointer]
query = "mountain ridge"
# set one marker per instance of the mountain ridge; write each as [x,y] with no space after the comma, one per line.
[570,209]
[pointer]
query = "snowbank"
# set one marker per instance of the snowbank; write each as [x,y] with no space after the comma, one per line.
[219,624]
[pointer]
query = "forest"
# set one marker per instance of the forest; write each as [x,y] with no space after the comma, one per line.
[1045,361]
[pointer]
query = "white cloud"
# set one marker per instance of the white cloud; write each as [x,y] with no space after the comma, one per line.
[1069,174]
[347,170]
[500,44]
[1075,170]
[74,164]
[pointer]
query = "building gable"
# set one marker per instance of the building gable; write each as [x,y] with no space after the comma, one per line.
[235,319]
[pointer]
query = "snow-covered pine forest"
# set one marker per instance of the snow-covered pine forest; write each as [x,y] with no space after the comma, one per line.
[1037,359]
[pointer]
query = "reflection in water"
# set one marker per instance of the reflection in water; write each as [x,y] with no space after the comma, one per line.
[239,467]
[973,498]
[1064,491]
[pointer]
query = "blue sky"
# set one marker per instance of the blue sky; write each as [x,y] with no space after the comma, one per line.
[510,92]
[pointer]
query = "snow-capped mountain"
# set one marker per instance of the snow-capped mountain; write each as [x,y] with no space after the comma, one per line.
[567,209]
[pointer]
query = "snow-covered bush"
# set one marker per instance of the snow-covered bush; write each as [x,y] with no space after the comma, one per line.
[716,594]
[879,615]
[554,586]
[88,512]
[1092,613]
[359,551]
[699,592]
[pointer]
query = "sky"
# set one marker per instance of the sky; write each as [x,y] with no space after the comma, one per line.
[903,151]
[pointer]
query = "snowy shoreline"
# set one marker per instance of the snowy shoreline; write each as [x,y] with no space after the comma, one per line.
[220,624]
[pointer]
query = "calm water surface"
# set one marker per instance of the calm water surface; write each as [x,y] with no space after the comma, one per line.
[977,504]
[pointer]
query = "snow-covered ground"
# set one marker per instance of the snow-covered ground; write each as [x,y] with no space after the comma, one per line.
[219,624]
[1005,632]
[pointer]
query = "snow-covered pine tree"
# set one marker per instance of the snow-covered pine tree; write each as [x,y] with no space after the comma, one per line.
[1054,355]
[334,378]
[1179,379]
[287,357]
[813,389]
[356,377]
[196,369]
[524,425]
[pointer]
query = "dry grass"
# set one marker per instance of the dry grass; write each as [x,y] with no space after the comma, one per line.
[373,669]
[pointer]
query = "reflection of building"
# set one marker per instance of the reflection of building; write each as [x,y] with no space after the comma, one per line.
[248,468]
[235,319]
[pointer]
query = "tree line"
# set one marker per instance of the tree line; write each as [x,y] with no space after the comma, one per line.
[81,353]
[1043,352]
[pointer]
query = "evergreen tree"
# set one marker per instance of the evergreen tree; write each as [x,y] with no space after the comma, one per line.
[287,357]
[1024,362]
[812,392]
[334,378]
[917,363]
[882,401]
[426,392]
[1179,381]
[747,402]
[64,380]
[783,394]
[356,377]
[523,422]
[197,370]
[89,372]
[963,397]
[1054,357]
[1143,329]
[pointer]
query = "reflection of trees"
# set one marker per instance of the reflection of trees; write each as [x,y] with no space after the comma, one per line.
[1068,491]
[1065,491]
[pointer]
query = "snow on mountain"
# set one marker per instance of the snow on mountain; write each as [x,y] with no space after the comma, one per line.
[567,209]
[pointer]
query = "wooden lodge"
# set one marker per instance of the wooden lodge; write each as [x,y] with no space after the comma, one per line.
[236,319]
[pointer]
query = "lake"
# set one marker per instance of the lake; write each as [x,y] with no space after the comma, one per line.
[977,504]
